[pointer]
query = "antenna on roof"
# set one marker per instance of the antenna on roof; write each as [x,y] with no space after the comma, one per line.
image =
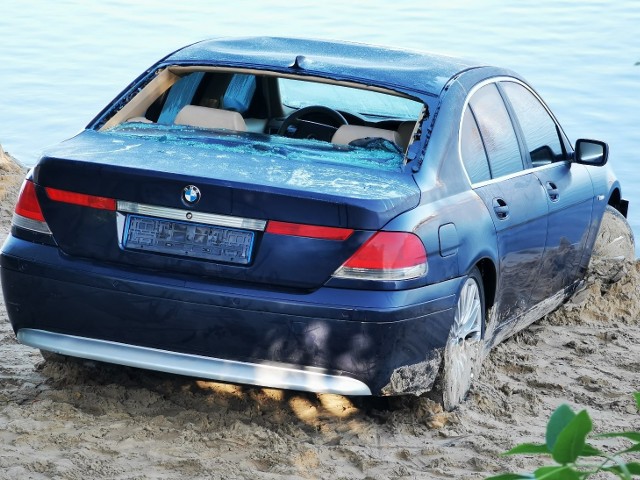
[297,64]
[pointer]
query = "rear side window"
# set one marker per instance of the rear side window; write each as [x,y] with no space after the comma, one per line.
[472,150]
[539,130]
[497,131]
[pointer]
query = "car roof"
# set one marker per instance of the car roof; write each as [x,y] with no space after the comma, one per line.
[403,70]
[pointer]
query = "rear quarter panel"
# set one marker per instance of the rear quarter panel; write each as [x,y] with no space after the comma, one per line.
[447,199]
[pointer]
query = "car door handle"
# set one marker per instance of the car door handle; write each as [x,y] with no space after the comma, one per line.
[552,191]
[501,208]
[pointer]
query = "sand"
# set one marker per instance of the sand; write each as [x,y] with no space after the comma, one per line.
[89,421]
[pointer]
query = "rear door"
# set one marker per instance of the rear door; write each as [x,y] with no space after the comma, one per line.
[514,197]
[568,188]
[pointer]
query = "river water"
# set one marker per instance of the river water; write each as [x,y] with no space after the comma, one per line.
[61,62]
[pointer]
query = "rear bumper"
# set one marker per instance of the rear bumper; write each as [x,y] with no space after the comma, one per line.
[225,332]
[312,380]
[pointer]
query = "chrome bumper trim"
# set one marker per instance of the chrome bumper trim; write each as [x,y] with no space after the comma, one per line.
[191,216]
[267,375]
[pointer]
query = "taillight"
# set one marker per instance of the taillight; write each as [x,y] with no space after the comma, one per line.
[309,231]
[28,214]
[27,205]
[387,256]
[82,199]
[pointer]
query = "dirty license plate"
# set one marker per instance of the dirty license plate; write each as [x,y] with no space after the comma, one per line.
[185,239]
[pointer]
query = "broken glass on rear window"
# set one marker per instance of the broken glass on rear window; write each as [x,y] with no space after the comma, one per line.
[378,154]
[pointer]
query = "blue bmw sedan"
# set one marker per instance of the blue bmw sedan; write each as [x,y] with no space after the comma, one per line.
[309,215]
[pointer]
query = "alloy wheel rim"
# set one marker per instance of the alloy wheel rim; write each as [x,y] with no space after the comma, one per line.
[468,318]
[464,344]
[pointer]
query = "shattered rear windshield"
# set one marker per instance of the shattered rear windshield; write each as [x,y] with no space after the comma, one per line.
[374,154]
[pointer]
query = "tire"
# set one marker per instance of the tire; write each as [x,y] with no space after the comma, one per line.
[464,349]
[613,247]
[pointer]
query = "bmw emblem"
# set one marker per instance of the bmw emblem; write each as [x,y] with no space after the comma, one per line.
[191,194]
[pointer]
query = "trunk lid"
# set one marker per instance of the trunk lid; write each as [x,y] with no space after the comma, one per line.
[249,177]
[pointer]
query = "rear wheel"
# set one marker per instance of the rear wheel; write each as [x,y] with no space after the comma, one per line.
[463,352]
[613,247]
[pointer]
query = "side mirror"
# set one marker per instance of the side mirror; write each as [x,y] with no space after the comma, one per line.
[591,152]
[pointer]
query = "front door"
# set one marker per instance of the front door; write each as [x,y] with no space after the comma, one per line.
[568,190]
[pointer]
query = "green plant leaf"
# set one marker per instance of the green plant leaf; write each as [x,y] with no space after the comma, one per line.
[632,467]
[529,449]
[558,420]
[633,436]
[511,476]
[637,394]
[571,440]
[634,448]
[556,473]
[591,451]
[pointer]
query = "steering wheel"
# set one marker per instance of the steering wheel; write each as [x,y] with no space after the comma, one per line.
[315,121]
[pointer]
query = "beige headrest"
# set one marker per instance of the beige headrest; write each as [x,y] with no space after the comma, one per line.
[139,120]
[348,133]
[206,117]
